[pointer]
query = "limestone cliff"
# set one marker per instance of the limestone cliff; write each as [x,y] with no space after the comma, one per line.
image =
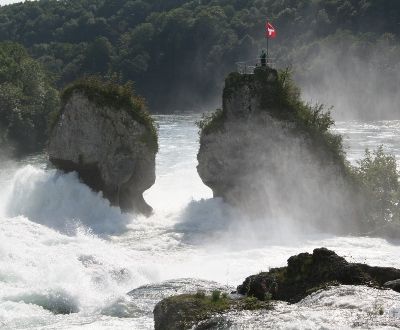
[105,135]
[269,153]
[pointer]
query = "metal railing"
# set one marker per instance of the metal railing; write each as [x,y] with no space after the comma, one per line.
[248,67]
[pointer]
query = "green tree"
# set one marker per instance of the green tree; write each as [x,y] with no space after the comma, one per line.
[377,172]
[98,56]
[26,100]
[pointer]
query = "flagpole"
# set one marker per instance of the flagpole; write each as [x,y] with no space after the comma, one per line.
[267,42]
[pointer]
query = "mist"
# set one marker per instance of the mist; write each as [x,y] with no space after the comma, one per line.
[284,189]
[360,79]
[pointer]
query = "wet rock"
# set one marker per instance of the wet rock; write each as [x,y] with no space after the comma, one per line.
[307,273]
[394,285]
[106,136]
[199,312]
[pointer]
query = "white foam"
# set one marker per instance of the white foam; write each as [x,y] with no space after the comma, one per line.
[56,252]
[61,202]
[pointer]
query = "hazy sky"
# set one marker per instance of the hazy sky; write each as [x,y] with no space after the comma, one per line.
[6,2]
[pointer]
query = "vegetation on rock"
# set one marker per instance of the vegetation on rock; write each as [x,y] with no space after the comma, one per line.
[280,97]
[185,311]
[27,98]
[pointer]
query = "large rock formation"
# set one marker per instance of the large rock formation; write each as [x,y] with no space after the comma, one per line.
[105,135]
[306,273]
[269,153]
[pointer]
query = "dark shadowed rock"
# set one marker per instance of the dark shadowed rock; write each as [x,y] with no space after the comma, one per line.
[394,285]
[306,273]
[105,135]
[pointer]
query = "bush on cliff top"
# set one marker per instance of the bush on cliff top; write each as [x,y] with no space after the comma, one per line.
[109,93]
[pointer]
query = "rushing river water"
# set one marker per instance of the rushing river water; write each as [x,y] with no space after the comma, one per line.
[70,261]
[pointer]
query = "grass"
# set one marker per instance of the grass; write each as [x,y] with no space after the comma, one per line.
[121,97]
[216,296]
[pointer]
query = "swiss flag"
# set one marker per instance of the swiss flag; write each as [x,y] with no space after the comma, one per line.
[270,31]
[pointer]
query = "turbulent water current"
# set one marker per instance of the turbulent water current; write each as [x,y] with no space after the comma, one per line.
[70,261]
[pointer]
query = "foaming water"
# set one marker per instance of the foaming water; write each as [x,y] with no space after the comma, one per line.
[349,307]
[60,201]
[70,261]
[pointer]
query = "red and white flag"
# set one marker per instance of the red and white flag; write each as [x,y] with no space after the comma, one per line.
[270,31]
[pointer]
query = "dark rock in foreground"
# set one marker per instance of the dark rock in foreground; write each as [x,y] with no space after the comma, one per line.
[187,311]
[394,285]
[105,135]
[306,273]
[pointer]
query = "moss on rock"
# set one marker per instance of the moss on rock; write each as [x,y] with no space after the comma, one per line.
[185,311]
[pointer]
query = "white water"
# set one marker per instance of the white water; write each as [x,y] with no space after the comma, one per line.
[64,249]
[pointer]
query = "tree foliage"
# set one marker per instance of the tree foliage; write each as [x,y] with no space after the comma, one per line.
[378,175]
[190,45]
[26,99]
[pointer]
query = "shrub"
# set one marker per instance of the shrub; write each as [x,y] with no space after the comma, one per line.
[216,295]
[200,294]
[379,178]
[211,122]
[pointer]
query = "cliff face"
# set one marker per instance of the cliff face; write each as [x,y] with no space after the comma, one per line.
[108,148]
[270,154]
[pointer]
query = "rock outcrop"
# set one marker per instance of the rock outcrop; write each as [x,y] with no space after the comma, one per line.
[195,311]
[306,273]
[268,152]
[105,135]
[394,285]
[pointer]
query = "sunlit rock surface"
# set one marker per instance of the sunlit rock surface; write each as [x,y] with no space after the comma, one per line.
[108,149]
[263,153]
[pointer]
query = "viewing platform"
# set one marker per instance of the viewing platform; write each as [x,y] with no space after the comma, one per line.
[248,67]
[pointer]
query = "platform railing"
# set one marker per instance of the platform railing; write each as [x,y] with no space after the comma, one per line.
[248,67]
